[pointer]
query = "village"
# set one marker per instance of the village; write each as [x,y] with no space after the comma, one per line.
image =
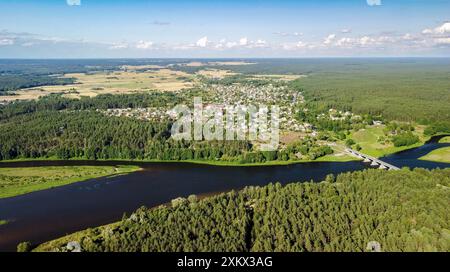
[238,94]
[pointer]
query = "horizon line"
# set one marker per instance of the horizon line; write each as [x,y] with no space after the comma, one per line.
[234,58]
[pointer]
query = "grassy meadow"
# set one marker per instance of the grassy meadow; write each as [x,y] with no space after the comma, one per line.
[18,181]
[368,140]
[438,155]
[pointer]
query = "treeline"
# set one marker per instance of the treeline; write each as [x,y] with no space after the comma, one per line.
[15,82]
[404,210]
[438,127]
[92,135]
[243,79]
[57,102]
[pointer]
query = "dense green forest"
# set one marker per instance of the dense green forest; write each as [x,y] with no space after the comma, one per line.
[404,210]
[92,135]
[411,95]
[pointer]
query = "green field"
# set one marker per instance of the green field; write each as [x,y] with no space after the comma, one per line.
[438,155]
[18,181]
[368,140]
[445,140]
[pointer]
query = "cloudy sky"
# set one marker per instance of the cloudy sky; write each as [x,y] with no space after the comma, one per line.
[213,28]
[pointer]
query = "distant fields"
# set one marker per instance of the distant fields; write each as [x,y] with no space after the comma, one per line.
[18,181]
[128,80]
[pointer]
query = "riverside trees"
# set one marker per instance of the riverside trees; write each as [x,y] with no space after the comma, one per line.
[401,210]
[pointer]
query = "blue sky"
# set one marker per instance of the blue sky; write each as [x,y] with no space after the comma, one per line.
[212,28]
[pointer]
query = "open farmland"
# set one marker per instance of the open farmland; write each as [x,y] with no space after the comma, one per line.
[127,80]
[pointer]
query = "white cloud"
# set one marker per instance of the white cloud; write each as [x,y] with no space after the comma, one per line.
[231,44]
[144,45]
[345,42]
[243,41]
[6,42]
[443,29]
[328,40]
[366,40]
[427,31]
[301,44]
[374,2]
[370,41]
[281,33]
[440,30]
[346,30]
[258,44]
[73,2]
[442,41]
[124,46]
[203,42]
[407,37]
[286,34]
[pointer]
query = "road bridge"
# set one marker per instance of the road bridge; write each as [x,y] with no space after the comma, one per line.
[372,160]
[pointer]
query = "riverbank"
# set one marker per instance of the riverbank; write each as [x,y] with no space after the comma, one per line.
[149,230]
[338,156]
[327,158]
[19,181]
[213,163]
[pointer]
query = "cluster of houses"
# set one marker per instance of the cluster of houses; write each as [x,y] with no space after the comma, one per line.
[150,114]
[238,94]
[268,94]
[289,123]
[248,93]
[336,115]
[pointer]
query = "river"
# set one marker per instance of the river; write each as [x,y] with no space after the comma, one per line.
[48,214]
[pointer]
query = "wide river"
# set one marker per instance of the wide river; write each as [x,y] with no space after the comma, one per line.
[48,214]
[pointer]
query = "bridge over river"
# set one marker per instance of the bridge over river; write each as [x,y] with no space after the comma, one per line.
[372,160]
